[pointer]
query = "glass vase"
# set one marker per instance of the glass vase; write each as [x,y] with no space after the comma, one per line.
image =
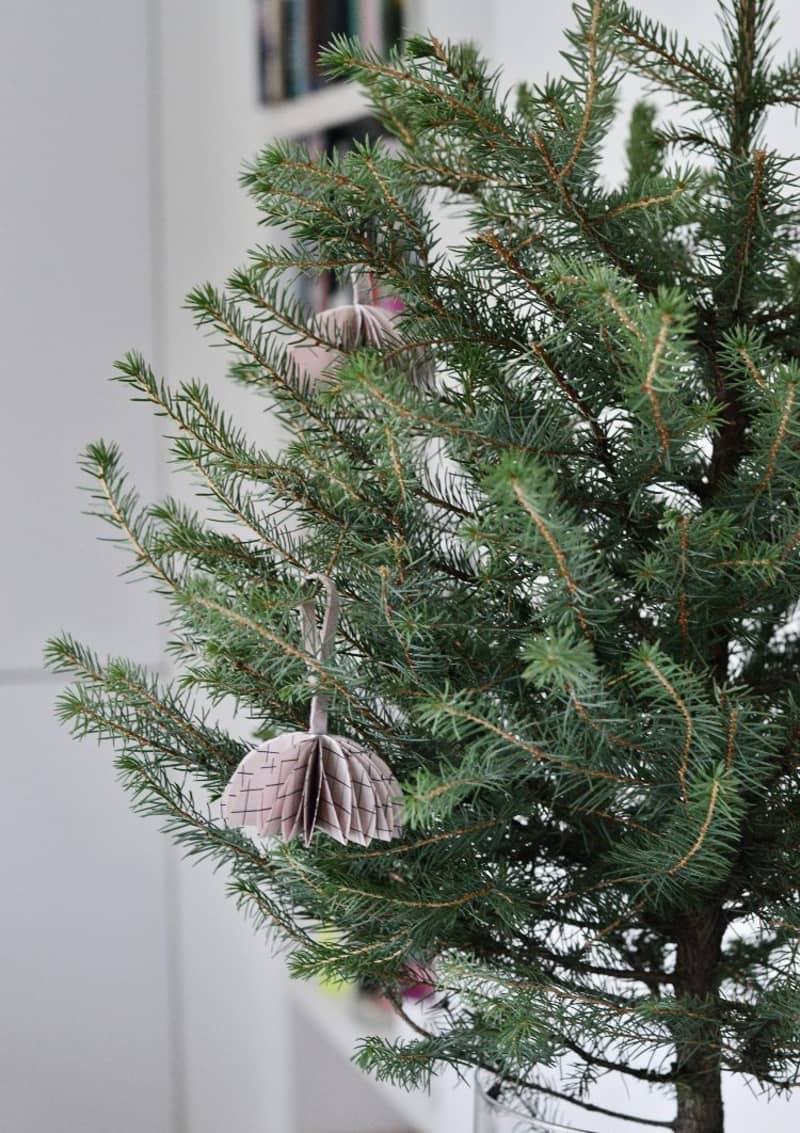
[502,1109]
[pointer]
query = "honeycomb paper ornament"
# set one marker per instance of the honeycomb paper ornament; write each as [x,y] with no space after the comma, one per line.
[300,782]
[348,327]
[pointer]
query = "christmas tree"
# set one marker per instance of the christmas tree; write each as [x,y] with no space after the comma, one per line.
[556,489]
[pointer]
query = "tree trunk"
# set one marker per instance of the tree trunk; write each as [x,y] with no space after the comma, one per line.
[700,1103]
[699,1087]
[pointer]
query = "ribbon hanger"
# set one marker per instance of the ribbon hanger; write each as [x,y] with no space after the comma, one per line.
[318,642]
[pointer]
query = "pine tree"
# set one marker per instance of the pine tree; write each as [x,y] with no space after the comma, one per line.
[569,565]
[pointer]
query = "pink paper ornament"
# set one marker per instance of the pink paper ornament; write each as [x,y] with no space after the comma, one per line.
[300,782]
[348,327]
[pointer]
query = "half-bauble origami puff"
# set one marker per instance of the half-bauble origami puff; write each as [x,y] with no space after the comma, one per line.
[300,782]
[348,327]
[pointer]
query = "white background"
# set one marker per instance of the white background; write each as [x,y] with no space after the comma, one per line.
[132,997]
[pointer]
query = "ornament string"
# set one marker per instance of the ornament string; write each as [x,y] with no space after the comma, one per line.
[356,281]
[318,642]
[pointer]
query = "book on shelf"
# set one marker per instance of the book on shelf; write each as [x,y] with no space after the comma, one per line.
[270,56]
[291,34]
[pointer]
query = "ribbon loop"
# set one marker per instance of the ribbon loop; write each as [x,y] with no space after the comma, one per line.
[318,642]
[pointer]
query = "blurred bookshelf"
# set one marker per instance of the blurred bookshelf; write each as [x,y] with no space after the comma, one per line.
[291,34]
[299,103]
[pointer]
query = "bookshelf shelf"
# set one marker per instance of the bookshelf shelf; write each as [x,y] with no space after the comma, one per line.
[315,111]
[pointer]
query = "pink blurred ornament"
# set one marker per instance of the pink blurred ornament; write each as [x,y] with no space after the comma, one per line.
[351,326]
[420,983]
[346,328]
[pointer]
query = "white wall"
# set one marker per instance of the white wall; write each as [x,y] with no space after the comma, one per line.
[133,995]
[85,1000]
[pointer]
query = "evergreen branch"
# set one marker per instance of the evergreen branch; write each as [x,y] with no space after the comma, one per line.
[680,704]
[442,425]
[90,718]
[582,998]
[730,745]
[622,315]
[558,554]
[790,547]
[322,672]
[458,177]
[580,403]
[210,440]
[103,463]
[654,201]
[451,785]
[697,845]
[308,204]
[399,475]
[626,974]
[538,754]
[619,819]
[421,246]
[435,839]
[155,795]
[298,257]
[754,197]
[591,92]
[211,308]
[648,386]
[243,284]
[752,369]
[691,74]
[67,655]
[538,1087]
[591,1107]
[407,903]
[683,605]
[747,26]
[575,210]
[250,897]
[591,1059]
[244,514]
[611,737]
[617,923]
[511,261]
[369,67]
[780,436]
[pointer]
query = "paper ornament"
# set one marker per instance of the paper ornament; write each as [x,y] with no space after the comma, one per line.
[300,782]
[348,327]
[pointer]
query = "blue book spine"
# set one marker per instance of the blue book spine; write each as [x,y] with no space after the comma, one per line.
[299,47]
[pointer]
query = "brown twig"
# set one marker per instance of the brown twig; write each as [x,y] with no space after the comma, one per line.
[648,386]
[591,92]
[684,711]
[560,557]
[780,436]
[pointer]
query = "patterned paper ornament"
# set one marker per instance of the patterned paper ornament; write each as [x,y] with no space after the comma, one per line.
[346,328]
[300,782]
